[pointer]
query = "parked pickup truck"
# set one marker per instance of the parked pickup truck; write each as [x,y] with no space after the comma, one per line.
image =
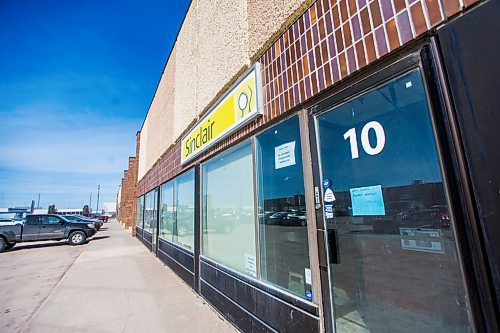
[99,216]
[44,227]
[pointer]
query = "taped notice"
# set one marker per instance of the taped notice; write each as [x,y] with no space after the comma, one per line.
[284,155]
[308,276]
[250,265]
[367,200]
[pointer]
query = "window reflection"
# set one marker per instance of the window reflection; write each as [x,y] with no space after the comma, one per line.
[398,267]
[284,249]
[183,232]
[167,217]
[228,210]
[150,212]
[140,212]
[177,210]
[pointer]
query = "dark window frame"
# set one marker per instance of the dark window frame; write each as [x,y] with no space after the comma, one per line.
[420,55]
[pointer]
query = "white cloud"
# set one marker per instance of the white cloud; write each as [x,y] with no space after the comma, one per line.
[50,137]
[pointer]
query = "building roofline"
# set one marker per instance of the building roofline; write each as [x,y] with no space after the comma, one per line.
[165,66]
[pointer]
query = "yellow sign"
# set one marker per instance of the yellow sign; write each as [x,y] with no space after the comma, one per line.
[239,105]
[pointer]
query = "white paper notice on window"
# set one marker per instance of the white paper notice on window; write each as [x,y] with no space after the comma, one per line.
[284,155]
[250,265]
[308,276]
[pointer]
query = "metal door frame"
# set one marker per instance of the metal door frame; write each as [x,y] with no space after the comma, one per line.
[155,233]
[422,55]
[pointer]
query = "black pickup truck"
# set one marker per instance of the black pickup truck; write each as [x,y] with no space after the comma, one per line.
[44,227]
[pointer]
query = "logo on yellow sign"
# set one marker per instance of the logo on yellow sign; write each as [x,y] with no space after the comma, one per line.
[238,106]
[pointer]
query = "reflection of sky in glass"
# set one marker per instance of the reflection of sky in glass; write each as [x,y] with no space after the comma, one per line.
[150,217]
[185,190]
[229,177]
[179,190]
[283,182]
[140,211]
[400,106]
[167,198]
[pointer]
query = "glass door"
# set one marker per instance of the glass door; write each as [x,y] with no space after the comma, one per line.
[393,259]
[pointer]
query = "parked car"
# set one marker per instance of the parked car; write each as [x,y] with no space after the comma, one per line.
[277,218]
[296,218]
[77,218]
[39,227]
[99,216]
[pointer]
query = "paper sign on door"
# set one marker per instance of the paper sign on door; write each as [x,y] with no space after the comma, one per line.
[284,155]
[367,200]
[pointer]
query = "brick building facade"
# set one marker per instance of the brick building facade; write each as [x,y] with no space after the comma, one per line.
[313,254]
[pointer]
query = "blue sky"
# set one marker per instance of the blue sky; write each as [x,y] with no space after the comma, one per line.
[76,80]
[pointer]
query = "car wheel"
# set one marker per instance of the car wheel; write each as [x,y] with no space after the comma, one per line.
[9,246]
[181,231]
[77,238]
[3,244]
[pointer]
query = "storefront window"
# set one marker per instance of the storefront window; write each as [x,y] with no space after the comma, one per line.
[228,210]
[395,265]
[167,209]
[183,231]
[140,212]
[177,210]
[284,252]
[150,212]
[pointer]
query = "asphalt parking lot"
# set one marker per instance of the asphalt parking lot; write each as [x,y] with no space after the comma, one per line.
[30,272]
[110,284]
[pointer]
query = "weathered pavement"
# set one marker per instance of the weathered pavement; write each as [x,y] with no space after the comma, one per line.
[111,284]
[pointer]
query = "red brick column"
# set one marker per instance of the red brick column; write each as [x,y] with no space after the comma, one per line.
[128,197]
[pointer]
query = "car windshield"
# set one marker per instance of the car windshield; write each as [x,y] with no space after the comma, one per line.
[80,218]
[65,218]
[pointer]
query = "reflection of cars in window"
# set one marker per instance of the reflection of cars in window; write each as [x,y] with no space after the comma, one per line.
[297,218]
[412,214]
[288,218]
[185,221]
[402,209]
[277,218]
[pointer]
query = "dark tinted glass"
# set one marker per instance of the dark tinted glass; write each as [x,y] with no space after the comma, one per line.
[396,268]
[284,252]
[32,220]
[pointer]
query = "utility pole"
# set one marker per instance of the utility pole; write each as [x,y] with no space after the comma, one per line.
[90,205]
[98,188]
[38,204]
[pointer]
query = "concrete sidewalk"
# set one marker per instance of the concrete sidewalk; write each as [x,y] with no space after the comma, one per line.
[116,285]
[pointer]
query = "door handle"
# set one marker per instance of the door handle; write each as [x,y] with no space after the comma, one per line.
[333,249]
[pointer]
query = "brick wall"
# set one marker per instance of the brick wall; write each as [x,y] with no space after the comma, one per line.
[128,194]
[332,40]
[135,179]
